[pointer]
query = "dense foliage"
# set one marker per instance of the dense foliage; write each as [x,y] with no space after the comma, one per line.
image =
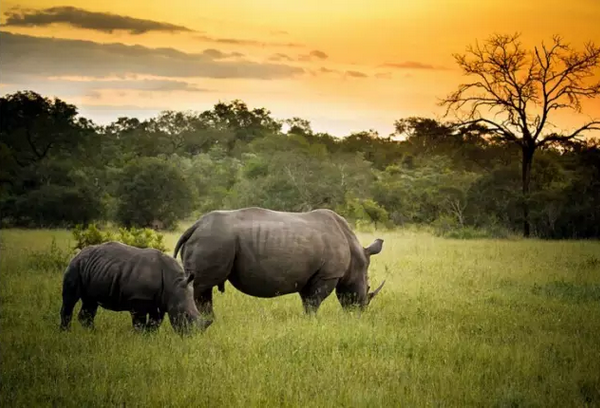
[61,170]
[137,237]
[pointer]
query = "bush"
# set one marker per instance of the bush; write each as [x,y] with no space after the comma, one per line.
[52,206]
[364,212]
[52,259]
[142,238]
[137,237]
[90,236]
[467,232]
[447,226]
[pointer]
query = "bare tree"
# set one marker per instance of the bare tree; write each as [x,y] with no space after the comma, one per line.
[520,89]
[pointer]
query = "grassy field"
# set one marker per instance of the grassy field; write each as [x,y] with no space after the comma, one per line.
[458,323]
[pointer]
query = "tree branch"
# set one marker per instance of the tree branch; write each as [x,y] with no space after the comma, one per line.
[595,125]
[497,129]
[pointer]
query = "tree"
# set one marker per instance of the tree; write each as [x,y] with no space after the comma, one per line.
[299,126]
[151,189]
[381,151]
[33,127]
[238,123]
[522,89]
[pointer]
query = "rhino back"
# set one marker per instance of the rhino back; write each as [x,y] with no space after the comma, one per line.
[115,275]
[275,252]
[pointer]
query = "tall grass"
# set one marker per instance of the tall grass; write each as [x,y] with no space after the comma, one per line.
[458,323]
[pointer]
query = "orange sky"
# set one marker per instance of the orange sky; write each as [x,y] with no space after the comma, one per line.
[324,61]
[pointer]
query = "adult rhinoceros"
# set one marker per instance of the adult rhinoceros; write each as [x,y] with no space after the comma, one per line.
[119,277]
[267,253]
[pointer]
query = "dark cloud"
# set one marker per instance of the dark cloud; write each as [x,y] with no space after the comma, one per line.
[318,54]
[152,85]
[314,54]
[410,65]
[280,57]
[216,54]
[45,57]
[240,41]
[76,17]
[324,71]
[91,88]
[356,74]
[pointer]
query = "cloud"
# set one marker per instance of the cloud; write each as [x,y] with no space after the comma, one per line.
[383,75]
[76,17]
[356,74]
[216,54]
[280,57]
[43,57]
[327,70]
[240,41]
[410,65]
[152,85]
[323,71]
[92,87]
[314,54]
[318,54]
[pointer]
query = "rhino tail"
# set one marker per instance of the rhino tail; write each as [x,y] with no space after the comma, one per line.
[183,239]
[221,287]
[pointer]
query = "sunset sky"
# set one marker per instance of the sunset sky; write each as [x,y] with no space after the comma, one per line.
[346,66]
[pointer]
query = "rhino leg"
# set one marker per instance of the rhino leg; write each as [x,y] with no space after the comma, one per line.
[70,295]
[66,310]
[87,314]
[138,320]
[204,303]
[155,319]
[315,291]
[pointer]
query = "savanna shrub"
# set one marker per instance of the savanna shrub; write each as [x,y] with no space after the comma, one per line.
[363,212]
[90,236]
[142,238]
[51,259]
[137,237]
[448,226]
[445,224]
[53,206]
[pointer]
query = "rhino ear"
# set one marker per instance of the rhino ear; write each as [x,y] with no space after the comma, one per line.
[375,247]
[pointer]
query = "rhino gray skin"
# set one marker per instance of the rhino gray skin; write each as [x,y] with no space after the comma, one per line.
[119,277]
[267,253]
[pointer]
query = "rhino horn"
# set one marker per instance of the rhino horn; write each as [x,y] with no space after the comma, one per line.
[372,294]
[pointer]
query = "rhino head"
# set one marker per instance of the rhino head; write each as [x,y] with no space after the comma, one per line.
[353,288]
[183,313]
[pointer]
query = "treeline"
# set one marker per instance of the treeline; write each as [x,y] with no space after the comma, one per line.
[59,169]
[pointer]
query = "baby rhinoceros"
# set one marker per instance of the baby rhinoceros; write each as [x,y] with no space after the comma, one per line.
[119,277]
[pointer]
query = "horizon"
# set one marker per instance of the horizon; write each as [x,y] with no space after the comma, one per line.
[346,69]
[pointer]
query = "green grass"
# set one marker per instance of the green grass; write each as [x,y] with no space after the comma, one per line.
[458,323]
